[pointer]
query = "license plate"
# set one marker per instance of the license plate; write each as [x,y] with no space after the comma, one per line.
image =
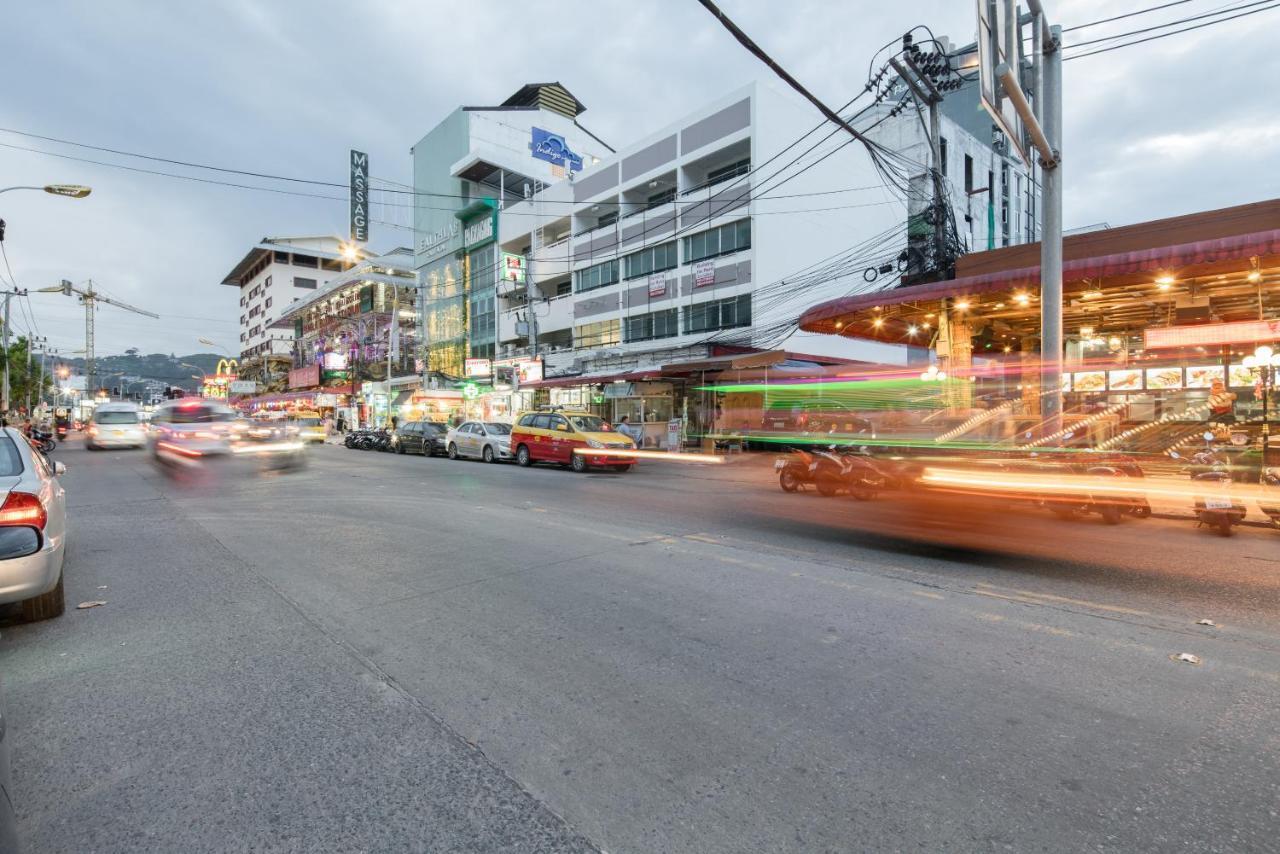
[1217,503]
[778,465]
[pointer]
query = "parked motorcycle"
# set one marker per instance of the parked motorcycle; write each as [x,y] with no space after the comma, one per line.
[1111,506]
[845,470]
[1215,506]
[1270,500]
[43,441]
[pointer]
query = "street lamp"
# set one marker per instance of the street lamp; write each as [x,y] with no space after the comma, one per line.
[71,191]
[1266,362]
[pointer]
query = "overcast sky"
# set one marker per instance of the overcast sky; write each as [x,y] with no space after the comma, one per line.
[287,88]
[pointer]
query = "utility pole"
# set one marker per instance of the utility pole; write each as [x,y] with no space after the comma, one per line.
[32,342]
[530,286]
[926,92]
[4,391]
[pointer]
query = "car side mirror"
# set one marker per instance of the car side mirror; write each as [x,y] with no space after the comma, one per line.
[59,468]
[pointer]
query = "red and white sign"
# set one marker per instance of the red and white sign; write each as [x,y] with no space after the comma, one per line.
[704,273]
[478,368]
[306,377]
[657,284]
[1240,332]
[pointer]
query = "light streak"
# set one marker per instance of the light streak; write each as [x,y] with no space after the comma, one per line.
[269,448]
[669,456]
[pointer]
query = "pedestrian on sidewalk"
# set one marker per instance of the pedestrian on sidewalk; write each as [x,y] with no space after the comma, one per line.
[635,434]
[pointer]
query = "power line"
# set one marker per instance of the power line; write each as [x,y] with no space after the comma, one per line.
[1173,33]
[1167,25]
[1125,15]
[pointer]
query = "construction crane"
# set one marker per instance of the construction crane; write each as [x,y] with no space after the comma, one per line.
[90,298]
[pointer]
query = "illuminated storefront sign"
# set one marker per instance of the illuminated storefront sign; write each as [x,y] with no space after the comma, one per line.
[1241,332]
[478,368]
[512,267]
[359,196]
[480,232]
[552,148]
[436,242]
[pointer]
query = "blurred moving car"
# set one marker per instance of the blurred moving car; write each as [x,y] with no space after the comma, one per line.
[483,440]
[552,435]
[310,426]
[192,427]
[33,528]
[116,425]
[419,437]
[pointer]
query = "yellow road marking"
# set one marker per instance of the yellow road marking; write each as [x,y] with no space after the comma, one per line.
[928,594]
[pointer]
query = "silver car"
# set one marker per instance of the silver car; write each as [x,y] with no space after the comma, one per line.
[33,528]
[115,425]
[484,440]
[193,427]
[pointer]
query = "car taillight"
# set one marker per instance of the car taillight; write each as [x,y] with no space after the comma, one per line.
[23,508]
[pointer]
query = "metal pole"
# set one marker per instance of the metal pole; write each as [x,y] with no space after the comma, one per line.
[531,287]
[1051,241]
[935,145]
[90,386]
[1037,104]
[4,393]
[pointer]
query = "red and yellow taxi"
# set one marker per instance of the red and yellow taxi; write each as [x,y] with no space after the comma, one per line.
[569,437]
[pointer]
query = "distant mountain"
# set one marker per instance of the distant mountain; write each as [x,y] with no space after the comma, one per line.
[166,368]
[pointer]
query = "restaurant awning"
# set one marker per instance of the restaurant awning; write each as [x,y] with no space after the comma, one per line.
[1213,243]
[593,379]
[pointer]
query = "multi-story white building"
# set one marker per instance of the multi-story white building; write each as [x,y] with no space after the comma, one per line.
[272,275]
[476,159]
[706,235]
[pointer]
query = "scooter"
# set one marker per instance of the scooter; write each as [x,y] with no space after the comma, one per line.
[1111,506]
[845,470]
[62,430]
[43,441]
[1216,507]
[793,470]
[1269,503]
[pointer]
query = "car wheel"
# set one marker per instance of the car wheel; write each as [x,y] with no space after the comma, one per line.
[828,486]
[1110,514]
[453,451]
[488,454]
[46,605]
[579,463]
[522,456]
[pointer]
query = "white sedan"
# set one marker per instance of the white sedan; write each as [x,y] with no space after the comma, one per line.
[33,528]
[484,440]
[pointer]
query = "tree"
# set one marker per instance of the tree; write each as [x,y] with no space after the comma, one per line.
[24,375]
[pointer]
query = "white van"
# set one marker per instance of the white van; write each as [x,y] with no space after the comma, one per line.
[115,425]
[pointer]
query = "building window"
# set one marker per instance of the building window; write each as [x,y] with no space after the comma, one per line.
[718,241]
[299,282]
[603,333]
[267,304]
[658,324]
[333,266]
[242,319]
[564,289]
[305,261]
[607,219]
[655,259]
[725,173]
[281,257]
[968,173]
[266,283]
[659,199]
[942,155]
[597,276]
[720,314]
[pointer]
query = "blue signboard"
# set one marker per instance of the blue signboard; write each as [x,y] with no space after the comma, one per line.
[552,148]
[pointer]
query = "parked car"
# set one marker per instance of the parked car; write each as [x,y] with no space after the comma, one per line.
[116,425]
[419,437]
[193,427]
[483,440]
[553,435]
[33,528]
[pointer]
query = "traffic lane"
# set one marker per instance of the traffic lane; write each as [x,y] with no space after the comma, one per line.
[676,692]
[1150,565]
[198,710]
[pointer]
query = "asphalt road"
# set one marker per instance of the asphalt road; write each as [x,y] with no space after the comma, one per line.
[382,653]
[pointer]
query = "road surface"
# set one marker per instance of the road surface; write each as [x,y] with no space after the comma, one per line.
[383,653]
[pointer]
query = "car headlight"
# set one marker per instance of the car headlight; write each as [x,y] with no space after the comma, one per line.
[592,443]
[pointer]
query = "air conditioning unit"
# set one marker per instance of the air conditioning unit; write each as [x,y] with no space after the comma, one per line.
[1189,309]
